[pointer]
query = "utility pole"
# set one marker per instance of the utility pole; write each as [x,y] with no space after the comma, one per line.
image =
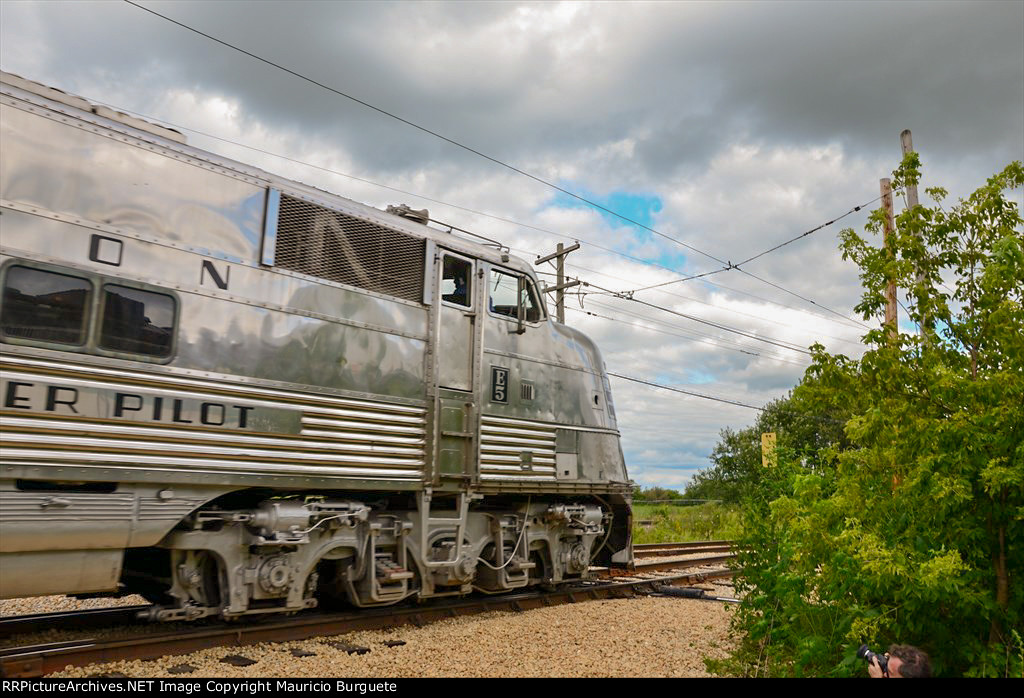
[885,187]
[907,144]
[560,285]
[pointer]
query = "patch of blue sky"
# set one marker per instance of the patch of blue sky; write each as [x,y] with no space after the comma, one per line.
[636,206]
[691,377]
[699,377]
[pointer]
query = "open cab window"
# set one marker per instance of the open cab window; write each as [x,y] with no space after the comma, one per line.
[456,281]
[508,293]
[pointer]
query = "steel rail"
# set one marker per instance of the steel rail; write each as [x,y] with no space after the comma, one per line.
[69,620]
[683,544]
[682,564]
[666,551]
[39,660]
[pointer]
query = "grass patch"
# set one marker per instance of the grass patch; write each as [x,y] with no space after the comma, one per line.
[670,523]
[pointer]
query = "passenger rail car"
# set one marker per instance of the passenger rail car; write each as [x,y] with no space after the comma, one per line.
[237,394]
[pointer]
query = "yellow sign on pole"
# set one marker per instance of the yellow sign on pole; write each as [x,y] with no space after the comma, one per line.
[768,449]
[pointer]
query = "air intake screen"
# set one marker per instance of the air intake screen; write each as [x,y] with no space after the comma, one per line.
[330,245]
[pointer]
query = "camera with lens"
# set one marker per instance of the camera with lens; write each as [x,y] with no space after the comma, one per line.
[864,653]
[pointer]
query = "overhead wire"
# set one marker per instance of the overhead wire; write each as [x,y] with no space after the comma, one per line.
[294,73]
[487,215]
[779,343]
[685,392]
[675,389]
[808,300]
[760,318]
[702,339]
[424,129]
[717,340]
[737,266]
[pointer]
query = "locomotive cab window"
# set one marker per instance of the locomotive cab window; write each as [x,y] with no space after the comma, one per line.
[508,292]
[136,321]
[45,306]
[456,281]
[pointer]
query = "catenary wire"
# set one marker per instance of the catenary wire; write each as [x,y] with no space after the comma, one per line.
[808,300]
[428,131]
[817,418]
[759,318]
[685,392]
[718,341]
[737,265]
[509,221]
[778,343]
[467,148]
[701,339]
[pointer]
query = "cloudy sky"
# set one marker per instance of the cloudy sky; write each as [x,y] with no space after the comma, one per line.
[726,127]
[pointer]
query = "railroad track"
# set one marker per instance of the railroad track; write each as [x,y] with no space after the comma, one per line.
[25,661]
[688,548]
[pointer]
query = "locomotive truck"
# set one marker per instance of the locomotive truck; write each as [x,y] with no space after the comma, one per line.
[237,394]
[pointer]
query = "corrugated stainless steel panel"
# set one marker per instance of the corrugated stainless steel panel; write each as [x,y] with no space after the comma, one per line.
[78,441]
[74,458]
[170,381]
[38,507]
[180,436]
[535,470]
[154,509]
[349,438]
[504,442]
[523,477]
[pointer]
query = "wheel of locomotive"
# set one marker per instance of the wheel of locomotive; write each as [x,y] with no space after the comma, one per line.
[440,546]
[488,553]
[212,577]
[332,571]
[542,571]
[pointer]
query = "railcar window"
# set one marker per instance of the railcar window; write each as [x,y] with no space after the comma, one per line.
[504,293]
[45,306]
[137,321]
[456,277]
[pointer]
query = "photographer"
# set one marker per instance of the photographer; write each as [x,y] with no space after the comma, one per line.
[904,662]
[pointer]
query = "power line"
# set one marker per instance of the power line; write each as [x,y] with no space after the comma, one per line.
[760,318]
[504,220]
[737,265]
[701,338]
[793,293]
[719,341]
[727,265]
[427,130]
[778,343]
[817,418]
[685,392]
[805,234]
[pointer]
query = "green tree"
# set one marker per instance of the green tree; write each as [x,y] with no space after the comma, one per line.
[917,535]
[808,433]
[654,494]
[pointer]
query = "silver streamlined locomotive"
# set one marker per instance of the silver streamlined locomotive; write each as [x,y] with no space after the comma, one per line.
[237,394]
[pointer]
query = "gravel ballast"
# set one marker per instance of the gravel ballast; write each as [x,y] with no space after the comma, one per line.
[639,637]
